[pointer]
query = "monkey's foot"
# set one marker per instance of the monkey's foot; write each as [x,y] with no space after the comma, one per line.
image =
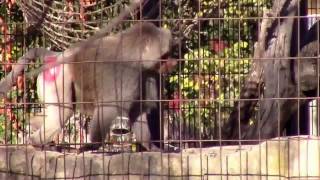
[51,146]
[167,148]
[171,149]
[89,147]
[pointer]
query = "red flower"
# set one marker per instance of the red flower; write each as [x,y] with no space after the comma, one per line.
[175,102]
[8,66]
[217,45]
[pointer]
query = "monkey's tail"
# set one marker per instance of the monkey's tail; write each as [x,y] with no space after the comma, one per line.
[7,82]
[67,55]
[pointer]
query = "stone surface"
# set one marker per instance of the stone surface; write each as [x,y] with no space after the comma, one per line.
[281,158]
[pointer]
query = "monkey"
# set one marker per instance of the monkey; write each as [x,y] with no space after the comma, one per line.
[54,106]
[306,71]
[66,73]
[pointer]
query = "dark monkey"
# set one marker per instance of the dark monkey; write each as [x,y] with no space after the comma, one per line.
[148,126]
[308,66]
[153,118]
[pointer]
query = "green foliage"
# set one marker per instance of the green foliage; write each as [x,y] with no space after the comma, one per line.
[209,78]
[11,117]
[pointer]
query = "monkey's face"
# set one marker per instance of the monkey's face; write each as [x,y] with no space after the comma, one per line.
[156,48]
[148,43]
[160,47]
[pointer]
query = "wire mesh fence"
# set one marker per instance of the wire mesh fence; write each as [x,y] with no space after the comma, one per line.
[237,72]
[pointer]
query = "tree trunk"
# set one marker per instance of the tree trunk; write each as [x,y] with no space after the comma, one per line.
[270,80]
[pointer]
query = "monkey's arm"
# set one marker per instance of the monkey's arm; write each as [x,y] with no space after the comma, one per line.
[151,91]
[8,81]
[140,111]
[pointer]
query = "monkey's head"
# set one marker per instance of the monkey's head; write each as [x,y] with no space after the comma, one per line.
[147,43]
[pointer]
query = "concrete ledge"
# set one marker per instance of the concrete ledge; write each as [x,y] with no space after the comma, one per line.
[281,158]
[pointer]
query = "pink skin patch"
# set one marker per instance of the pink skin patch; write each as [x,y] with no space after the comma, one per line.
[51,74]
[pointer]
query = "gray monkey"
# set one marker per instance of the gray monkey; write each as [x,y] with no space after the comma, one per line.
[106,76]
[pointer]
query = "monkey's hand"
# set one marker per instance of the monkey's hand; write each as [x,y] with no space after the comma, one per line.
[167,66]
[8,81]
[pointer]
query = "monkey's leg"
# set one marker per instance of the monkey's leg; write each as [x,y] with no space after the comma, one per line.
[52,124]
[143,135]
[55,91]
[142,132]
[140,127]
[150,120]
[100,126]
